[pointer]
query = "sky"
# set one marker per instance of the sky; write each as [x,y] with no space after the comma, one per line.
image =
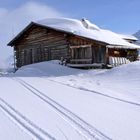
[121,16]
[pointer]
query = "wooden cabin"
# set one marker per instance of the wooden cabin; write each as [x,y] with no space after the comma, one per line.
[39,42]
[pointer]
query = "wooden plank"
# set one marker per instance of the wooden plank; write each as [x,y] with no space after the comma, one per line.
[80,60]
[94,65]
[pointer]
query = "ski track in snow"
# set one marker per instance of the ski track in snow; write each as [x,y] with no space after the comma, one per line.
[93,91]
[85,129]
[96,92]
[25,123]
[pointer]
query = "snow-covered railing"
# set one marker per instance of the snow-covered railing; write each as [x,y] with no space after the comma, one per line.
[116,61]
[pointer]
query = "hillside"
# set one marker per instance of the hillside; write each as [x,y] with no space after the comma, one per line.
[51,101]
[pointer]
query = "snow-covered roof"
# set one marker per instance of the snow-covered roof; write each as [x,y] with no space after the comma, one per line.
[83,28]
[129,37]
[87,29]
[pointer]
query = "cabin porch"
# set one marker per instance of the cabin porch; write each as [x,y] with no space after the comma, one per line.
[119,56]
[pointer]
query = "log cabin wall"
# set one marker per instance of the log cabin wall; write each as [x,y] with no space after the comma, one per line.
[78,54]
[87,51]
[40,44]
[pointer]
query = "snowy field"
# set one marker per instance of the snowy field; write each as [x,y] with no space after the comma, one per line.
[49,101]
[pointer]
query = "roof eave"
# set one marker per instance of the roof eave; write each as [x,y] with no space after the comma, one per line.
[11,43]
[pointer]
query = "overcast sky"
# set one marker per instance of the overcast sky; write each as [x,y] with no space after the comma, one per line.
[122,16]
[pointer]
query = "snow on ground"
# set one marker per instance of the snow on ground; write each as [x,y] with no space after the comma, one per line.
[9,130]
[121,82]
[50,101]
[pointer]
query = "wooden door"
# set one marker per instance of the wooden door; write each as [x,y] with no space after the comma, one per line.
[98,54]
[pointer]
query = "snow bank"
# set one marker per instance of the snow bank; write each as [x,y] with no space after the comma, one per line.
[49,69]
[127,71]
[54,69]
